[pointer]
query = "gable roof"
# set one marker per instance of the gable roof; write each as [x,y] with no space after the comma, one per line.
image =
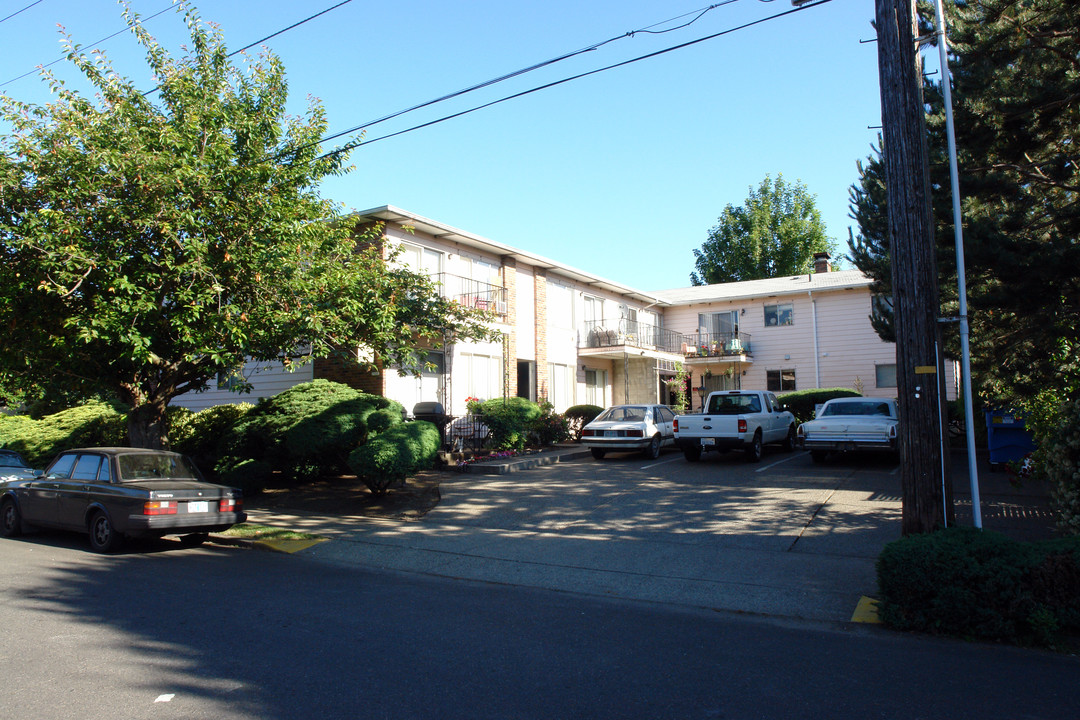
[770,287]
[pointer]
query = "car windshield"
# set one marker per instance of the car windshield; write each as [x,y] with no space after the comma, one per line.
[12,461]
[142,466]
[734,404]
[857,408]
[623,413]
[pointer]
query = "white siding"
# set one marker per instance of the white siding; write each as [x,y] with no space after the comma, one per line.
[268,379]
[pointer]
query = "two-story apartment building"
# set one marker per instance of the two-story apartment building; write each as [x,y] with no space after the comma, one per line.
[573,337]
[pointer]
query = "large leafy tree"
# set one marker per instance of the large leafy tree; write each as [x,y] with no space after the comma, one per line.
[776,232]
[152,241]
[1016,95]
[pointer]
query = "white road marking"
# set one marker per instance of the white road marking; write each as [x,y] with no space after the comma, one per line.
[658,464]
[165,698]
[778,462]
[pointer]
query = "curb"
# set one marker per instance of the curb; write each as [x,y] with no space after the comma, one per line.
[526,463]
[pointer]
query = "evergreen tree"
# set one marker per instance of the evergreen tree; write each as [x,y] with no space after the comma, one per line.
[1016,95]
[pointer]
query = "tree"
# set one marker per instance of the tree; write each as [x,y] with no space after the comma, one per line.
[1016,97]
[153,242]
[776,232]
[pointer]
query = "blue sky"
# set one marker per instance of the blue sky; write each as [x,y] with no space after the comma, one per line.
[621,173]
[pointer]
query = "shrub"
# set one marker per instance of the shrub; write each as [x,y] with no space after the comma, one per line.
[579,416]
[1058,456]
[550,427]
[801,403]
[251,476]
[303,432]
[198,435]
[980,584]
[39,441]
[509,420]
[395,454]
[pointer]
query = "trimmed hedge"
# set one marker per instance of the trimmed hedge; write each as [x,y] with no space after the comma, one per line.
[579,416]
[801,403]
[981,585]
[395,454]
[509,420]
[39,441]
[198,434]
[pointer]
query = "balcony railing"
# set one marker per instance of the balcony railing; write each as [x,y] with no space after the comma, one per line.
[629,333]
[716,344]
[472,293]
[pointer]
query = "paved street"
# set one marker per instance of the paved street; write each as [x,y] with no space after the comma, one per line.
[784,537]
[222,633]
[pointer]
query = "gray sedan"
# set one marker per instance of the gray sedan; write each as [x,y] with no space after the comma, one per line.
[646,428]
[110,493]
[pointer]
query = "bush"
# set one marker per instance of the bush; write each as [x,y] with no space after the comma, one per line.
[509,420]
[198,435]
[39,441]
[982,585]
[1058,456]
[579,416]
[801,403]
[251,476]
[395,454]
[303,432]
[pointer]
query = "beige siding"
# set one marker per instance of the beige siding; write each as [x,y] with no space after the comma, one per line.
[268,378]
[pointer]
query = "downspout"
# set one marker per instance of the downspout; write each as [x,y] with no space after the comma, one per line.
[817,354]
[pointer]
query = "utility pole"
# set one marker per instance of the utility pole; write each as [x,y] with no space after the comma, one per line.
[927,493]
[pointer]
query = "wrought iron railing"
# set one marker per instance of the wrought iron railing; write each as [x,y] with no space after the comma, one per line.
[716,344]
[629,333]
[472,293]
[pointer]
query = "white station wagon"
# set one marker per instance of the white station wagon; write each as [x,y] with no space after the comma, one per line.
[851,423]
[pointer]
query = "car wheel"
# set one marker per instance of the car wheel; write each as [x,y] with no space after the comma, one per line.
[653,450]
[10,519]
[692,454]
[818,456]
[598,453]
[194,539]
[103,536]
[789,441]
[753,452]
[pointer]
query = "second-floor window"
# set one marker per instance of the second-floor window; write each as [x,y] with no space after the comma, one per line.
[779,314]
[421,259]
[780,380]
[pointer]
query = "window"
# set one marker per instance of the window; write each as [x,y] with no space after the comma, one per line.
[87,467]
[561,386]
[780,380]
[594,311]
[885,375]
[420,259]
[483,376]
[779,314]
[719,327]
[596,387]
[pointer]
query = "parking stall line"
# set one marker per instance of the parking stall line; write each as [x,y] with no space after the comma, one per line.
[778,462]
[658,464]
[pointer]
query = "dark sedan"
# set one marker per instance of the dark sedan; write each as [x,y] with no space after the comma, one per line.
[12,466]
[111,493]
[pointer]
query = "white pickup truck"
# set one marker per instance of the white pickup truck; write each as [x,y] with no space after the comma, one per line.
[736,420]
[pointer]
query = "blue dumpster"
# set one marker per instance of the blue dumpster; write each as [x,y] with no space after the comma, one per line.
[1006,437]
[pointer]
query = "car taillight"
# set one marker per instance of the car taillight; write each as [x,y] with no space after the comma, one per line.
[588,433]
[742,426]
[159,507]
[635,433]
[230,505]
[800,432]
[675,425]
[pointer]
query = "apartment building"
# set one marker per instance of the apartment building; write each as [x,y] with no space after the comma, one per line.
[573,337]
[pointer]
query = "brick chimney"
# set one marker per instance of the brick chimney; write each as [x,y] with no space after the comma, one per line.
[821,262]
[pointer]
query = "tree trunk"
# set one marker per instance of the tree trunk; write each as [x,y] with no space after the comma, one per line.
[146,426]
[914,266]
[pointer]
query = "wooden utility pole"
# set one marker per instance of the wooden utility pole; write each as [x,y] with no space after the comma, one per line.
[926,500]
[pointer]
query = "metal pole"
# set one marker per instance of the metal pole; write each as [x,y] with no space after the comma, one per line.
[958,236]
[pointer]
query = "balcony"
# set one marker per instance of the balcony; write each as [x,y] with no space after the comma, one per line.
[615,338]
[731,347]
[472,293]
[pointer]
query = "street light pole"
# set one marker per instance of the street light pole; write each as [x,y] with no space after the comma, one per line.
[961,283]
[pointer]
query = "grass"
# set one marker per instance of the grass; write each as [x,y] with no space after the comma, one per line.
[250,531]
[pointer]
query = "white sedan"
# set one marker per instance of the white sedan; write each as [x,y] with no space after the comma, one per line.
[851,423]
[646,428]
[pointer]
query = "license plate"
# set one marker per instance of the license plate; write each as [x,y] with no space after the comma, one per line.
[611,433]
[198,507]
[708,441]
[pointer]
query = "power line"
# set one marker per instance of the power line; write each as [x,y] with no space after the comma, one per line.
[488,83]
[36,2]
[350,146]
[39,68]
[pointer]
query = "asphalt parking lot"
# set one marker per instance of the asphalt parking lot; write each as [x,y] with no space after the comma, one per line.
[784,537]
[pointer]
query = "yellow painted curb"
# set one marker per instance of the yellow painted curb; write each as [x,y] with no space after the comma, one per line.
[866,611]
[288,546]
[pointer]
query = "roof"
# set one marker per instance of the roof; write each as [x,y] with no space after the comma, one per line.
[443,231]
[770,287]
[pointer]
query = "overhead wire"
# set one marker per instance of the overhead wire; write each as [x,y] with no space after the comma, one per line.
[566,56]
[36,2]
[350,146]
